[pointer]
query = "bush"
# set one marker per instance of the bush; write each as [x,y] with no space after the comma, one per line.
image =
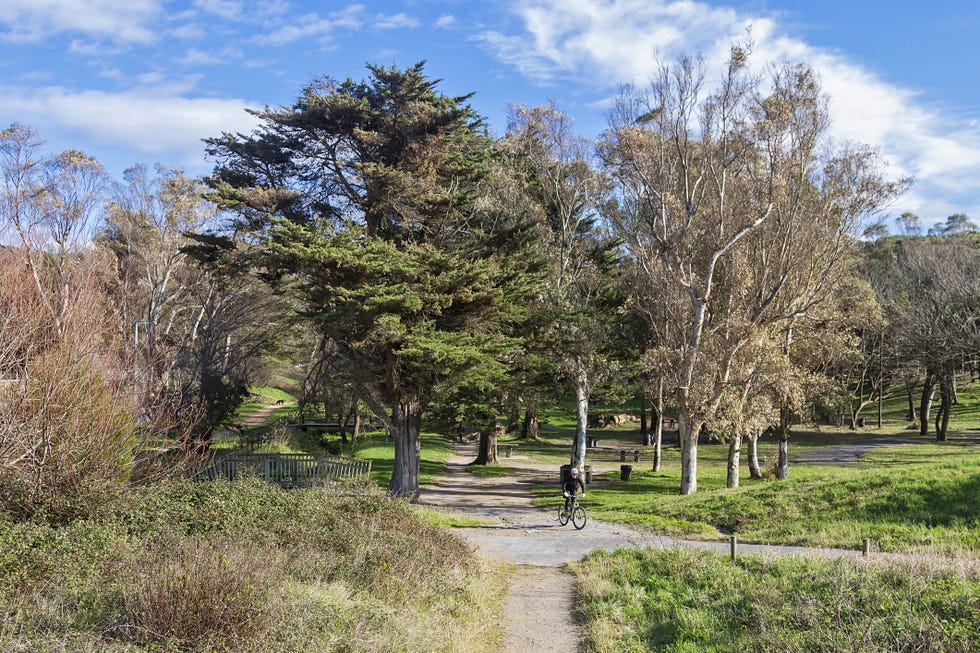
[197,594]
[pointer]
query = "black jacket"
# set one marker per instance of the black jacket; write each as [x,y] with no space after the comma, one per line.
[572,485]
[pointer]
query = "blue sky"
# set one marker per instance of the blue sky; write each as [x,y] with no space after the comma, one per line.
[145,80]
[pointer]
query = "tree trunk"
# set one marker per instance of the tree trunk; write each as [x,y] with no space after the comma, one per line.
[357,422]
[643,412]
[754,470]
[910,394]
[582,417]
[487,454]
[529,430]
[925,405]
[942,419]
[688,429]
[734,459]
[406,427]
[657,418]
[514,414]
[782,465]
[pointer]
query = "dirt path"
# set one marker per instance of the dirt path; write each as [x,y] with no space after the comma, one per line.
[538,607]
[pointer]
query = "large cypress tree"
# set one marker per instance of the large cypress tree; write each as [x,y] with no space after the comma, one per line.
[369,200]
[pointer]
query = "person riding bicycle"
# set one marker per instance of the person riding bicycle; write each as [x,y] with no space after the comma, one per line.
[571,486]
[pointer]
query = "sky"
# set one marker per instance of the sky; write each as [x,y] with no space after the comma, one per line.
[131,81]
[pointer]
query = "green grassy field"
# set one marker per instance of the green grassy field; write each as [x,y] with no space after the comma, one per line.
[693,601]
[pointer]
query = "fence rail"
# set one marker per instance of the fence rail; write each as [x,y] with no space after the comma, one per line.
[288,470]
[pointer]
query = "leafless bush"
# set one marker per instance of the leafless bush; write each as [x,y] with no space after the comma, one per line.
[67,427]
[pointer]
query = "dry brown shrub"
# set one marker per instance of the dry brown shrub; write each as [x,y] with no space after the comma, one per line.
[198,595]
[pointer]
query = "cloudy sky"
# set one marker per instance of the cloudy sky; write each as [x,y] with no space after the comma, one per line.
[145,80]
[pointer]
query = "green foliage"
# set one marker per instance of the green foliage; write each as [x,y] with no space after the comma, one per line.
[695,601]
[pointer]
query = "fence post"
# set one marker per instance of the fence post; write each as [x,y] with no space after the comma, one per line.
[866,546]
[733,546]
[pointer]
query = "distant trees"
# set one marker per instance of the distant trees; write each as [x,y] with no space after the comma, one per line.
[578,297]
[195,320]
[931,291]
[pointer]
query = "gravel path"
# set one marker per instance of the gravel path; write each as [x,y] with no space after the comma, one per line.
[538,607]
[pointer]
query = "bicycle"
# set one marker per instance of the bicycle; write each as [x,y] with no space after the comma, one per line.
[572,510]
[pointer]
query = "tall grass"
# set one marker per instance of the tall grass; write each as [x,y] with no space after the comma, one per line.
[243,567]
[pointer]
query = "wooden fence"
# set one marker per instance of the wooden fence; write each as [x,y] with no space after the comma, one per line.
[287,470]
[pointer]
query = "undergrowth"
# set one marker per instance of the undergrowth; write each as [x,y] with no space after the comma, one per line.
[242,567]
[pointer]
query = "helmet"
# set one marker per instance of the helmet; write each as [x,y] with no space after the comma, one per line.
[573,470]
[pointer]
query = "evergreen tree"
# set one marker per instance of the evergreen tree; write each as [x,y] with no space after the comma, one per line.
[369,198]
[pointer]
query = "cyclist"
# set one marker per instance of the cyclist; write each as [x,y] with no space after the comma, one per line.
[571,486]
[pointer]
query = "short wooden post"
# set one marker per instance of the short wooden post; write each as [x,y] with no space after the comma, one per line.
[866,546]
[636,455]
[733,545]
[622,455]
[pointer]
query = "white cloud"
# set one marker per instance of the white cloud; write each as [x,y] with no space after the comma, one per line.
[119,21]
[226,55]
[397,21]
[154,122]
[445,21]
[314,26]
[612,42]
[227,9]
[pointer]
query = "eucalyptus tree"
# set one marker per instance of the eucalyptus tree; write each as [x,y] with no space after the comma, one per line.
[578,293]
[196,326]
[367,200]
[736,215]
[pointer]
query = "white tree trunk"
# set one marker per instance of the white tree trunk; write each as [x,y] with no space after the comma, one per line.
[688,433]
[582,416]
[734,459]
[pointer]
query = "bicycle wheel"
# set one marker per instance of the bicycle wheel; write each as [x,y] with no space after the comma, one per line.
[562,515]
[579,518]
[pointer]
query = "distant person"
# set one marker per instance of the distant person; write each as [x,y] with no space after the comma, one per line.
[571,486]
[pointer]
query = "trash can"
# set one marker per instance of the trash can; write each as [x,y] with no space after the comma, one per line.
[625,471]
[647,439]
[861,422]
[588,474]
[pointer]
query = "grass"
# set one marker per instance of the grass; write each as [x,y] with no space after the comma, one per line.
[677,600]
[919,496]
[903,497]
[244,567]
[435,453]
